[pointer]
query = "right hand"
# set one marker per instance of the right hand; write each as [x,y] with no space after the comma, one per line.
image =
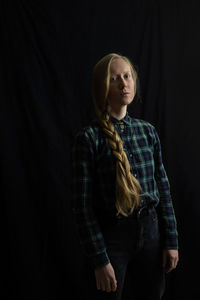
[105,278]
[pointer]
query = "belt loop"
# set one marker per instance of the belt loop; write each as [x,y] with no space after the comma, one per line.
[140,211]
[145,207]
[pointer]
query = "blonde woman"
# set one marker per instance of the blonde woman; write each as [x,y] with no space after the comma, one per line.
[121,194]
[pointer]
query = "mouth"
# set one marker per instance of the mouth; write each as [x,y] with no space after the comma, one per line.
[125,93]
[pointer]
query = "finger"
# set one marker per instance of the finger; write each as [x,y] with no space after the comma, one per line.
[171,266]
[98,285]
[175,262]
[107,285]
[102,286]
[111,286]
[114,285]
[167,264]
[168,268]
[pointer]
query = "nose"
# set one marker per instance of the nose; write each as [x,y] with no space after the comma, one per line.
[122,83]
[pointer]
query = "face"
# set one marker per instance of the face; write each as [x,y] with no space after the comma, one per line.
[122,85]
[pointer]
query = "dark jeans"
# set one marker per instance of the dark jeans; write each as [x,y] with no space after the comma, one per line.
[133,246]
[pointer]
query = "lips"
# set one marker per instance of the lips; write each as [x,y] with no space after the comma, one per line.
[125,93]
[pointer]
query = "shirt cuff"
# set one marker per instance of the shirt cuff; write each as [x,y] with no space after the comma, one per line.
[171,243]
[100,260]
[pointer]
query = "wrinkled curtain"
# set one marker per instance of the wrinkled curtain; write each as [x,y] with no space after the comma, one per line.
[48,50]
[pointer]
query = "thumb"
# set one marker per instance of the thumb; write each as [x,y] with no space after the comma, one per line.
[114,285]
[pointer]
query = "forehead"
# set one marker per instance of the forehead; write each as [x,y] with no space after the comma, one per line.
[119,66]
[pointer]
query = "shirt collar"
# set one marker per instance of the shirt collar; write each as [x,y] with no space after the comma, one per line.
[126,119]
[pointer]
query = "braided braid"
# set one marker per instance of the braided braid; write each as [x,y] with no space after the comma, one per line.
[127,187]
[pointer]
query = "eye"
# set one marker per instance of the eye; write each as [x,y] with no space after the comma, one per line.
[127,76]
[113,78]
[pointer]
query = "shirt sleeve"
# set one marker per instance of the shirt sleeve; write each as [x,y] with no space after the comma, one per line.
[165,206]
[89,232]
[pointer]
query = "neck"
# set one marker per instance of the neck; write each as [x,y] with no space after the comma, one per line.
[117,113]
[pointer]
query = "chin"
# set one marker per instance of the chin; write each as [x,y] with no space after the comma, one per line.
[126,101]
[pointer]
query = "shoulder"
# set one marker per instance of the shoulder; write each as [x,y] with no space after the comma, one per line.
[144,129]
[142,124]
[89,133]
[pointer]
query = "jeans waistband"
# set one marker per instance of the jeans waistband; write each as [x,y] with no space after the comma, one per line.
[138,212]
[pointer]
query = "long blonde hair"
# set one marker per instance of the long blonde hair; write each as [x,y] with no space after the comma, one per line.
[127,187]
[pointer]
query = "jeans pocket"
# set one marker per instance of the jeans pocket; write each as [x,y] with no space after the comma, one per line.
[151,226]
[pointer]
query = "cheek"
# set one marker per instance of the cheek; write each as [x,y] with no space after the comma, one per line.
[112,92]
[132,88]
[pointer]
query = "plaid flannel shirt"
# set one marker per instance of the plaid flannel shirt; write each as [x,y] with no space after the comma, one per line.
[94,182]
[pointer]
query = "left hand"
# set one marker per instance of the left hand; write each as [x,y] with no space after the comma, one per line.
[170,259]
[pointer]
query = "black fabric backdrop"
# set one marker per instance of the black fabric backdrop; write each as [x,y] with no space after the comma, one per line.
[48,50]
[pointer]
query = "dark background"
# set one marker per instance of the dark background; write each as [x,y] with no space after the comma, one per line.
[48,50]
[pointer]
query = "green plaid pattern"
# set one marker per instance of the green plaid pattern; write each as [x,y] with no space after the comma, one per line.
[94,182]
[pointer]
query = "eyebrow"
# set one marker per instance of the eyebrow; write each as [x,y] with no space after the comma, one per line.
[128,71]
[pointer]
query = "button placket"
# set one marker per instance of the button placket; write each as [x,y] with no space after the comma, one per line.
[121,126]
[132,163]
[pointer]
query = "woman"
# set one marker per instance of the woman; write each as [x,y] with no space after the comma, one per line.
[121,197]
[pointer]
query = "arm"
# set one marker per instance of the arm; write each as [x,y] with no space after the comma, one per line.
[165,206]
[165,211]
[88,228]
